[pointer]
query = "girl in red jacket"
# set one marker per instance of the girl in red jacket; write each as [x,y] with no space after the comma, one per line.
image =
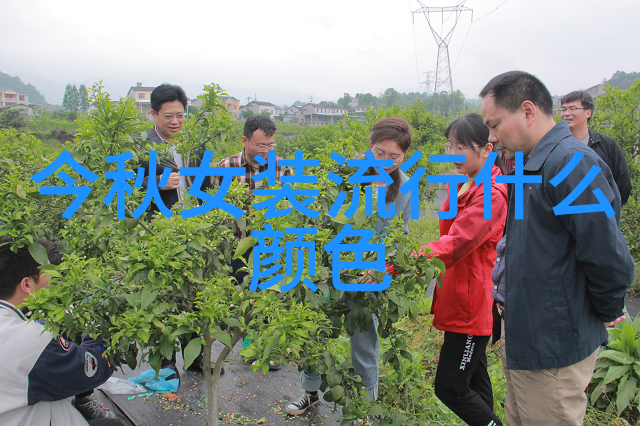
[462,306]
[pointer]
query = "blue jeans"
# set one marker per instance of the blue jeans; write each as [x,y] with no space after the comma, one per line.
[365,354]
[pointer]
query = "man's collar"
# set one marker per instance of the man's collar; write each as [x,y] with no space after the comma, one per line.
[243,158]
[155,129]
[543,148]
[8,305]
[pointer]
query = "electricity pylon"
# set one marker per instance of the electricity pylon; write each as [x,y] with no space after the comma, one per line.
[443,81]
[427,82]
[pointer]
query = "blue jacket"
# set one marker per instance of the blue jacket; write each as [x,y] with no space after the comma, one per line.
[567,274]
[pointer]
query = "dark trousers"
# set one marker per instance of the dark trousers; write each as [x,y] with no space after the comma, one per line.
[236,264]
[462,380]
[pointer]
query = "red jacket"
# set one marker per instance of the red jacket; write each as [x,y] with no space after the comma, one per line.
[467,247]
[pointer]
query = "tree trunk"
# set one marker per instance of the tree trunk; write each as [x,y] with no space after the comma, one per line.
[212,379]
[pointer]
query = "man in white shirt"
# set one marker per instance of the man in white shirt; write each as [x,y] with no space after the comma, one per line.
[39,372]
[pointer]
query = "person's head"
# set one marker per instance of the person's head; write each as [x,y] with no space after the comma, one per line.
[469,136]
[390,139]
[576,109]
[258,136]
[168,105]
[518,109]
[20,274]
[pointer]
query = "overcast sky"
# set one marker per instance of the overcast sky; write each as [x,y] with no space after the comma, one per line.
[287,50]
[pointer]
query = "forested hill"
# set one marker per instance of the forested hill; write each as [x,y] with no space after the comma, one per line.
[623,80]
[14,83]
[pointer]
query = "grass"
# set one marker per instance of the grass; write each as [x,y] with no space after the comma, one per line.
[425,229]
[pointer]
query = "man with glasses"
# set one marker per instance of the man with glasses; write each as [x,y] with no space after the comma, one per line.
[257,140]
[576,110]
[168,105]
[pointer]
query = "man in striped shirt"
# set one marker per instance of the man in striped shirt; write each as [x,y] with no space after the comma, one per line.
[257,140]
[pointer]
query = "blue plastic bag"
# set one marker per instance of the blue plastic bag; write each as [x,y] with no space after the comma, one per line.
[149,380]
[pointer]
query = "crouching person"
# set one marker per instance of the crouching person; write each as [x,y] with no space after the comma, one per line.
[39,372]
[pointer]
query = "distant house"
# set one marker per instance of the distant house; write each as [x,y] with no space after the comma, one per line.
[233,106]
[143,96]
[358,112]
[320,115]
[596,91]
[27,110]
[11,97]
[258,107]
[293,114]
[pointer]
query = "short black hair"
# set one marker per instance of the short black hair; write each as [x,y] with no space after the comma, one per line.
[14,266]
[579,95]
[261,122]
[167,93]
[512,88]
[470,130]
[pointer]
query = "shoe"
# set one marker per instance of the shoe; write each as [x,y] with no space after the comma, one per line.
[300,406]
[274,366]
[91,408]
[171,365]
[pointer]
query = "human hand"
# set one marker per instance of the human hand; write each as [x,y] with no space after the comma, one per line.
[173,182]
[614,322]
[367,277]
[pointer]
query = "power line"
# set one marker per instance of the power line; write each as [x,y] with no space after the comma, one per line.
[496,8]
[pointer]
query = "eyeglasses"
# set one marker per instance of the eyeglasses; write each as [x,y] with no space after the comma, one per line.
[450,149]
[381,155]
[571,108]
[179,116]
[263,146]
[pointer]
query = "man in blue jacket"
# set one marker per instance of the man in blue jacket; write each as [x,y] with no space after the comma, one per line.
[566,275]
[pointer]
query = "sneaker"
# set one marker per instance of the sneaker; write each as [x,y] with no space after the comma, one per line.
[300,406]
[91,408]
[172,365]
[274,366]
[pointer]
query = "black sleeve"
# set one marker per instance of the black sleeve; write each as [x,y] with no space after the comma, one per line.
[65,369]
[621,172]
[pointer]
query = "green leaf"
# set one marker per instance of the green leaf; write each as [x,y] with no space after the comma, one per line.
[400,254]
[615,372]
[333,377]
[132,299]
[148,295]
[628,338]
[192,351]
[223,338]
[232,322]
[130,223]
[20,191]
[335,393]
[626,392]
[399,419]
[166,348]
[244,245]
[328,359]
[439,264]
[617,356]
[376,410]
[38,252]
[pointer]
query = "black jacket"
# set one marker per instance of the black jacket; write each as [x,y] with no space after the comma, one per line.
[565,274]
[608,149]
[169,197]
